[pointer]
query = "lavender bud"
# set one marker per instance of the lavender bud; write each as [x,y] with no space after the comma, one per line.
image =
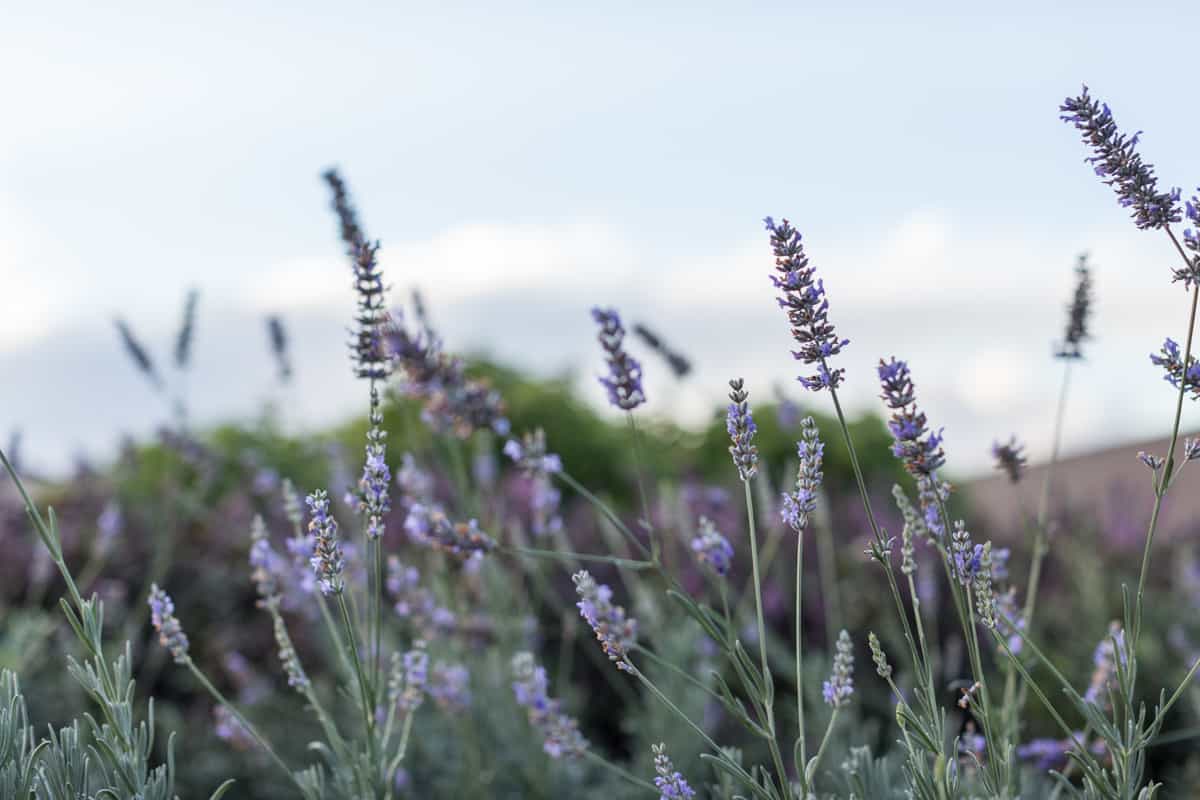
[799,505]
[326,560]
[739,423]
[616,632]
[170,632]
[277,336]
[919,448]
[409,676]
[670,783]
[530,454]
[877,655]
[840,686]
[137,353]
[560,733]
[1171,361]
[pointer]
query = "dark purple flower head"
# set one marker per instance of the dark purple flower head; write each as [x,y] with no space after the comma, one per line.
[739,423]
[802,296]
[624,379]
[369,353]
[1010,458]
[1118,163]
[138,354]
[351,233]
[1078,312]
[679,363]
[919,448]
[1171,360]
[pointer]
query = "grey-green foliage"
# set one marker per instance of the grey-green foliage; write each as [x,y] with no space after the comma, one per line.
[18,752]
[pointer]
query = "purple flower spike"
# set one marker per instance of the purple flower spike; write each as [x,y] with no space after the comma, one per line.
[1171,360]
[803,298]
[739,423]
[624,379]
[670,782]
[1118,163]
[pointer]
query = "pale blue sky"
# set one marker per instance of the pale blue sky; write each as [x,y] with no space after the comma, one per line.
[524,164]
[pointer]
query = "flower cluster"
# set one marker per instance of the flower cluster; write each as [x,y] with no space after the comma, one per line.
[170,632]
[1118,163]
[670,782]
[617,632]
[800,504]
[1010,458]
[1078,312]
[678,363]
[968,557]
[711,548]
[624,379]
[560,733]
[1171,360]
[913,443]
[430,526]
[806,305]
[351,233]
[265,564]
[326,560]
[840,686]
[370,319]
[739,423]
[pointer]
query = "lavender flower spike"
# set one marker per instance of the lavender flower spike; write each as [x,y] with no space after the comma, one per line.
[1118,163]
[617,633]
[1010,458]
[800,504]
[840,686]
[1190,274]
[740,424]
[807,308]
[326,560]
[170,632]
[670,783]
[560,733]
[624,380]
[1078,312]
[373,498]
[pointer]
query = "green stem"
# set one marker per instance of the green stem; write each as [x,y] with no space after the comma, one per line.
[245,723]
[662,662]
[623,563]
[810,770]
[656,553]
[799,657]
[604,509]
[758,606]
[364,688]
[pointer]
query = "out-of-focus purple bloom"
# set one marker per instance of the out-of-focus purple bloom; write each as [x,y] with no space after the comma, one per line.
[1078,312]
[530,454]
[560,733]
[229,729]
[806,305]
[678,363]
[409,678]
[1118,163]
[109,525]
[711,548]
[1171,360]
[1010,458]
[840,686]
[1190,275]
[414,482]
[624,379]
[1104,661]
[739,423]
[616,632]
[138,354]
[670,782]
[800,504]
[327,561]
[1010,620]
[1154,462]
[430,526]
[170,632]
[374,501]
[450,687]
[414,602]
[277,336]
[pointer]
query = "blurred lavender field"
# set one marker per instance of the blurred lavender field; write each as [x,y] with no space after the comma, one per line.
[537,466]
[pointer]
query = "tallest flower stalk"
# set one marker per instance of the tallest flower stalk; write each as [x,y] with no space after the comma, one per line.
[802,296]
